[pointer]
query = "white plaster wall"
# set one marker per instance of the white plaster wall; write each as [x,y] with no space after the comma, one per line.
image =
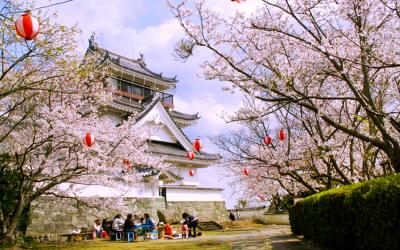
[161,133]
[158,116]
[187,179]
[243,215]
[142,189]
[150,189]
[193,195]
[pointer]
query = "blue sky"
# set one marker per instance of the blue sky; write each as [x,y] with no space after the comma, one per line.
[130,27]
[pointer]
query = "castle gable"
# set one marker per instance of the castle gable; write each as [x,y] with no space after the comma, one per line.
[156,117]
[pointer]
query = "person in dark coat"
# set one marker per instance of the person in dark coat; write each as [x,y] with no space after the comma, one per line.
[128,225]
[232,216]
[192,223]
[106,225]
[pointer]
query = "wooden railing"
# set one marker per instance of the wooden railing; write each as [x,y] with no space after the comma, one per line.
[166,99]
[128,94]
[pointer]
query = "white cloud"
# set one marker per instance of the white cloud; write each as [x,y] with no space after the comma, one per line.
[92,15]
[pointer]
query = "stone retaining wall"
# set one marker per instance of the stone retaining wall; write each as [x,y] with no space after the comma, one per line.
[204,210]
[51,215]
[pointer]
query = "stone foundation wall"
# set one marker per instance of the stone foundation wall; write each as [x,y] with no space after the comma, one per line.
[204,210]
[56,216]
[51,215]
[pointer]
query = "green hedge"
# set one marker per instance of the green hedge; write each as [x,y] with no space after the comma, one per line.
[359,216]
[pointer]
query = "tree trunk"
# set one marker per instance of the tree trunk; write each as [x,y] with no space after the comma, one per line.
[8,232]
[395,161]
[24,219]
[3,228]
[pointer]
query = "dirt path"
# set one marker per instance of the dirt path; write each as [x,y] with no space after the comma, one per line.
[274,237]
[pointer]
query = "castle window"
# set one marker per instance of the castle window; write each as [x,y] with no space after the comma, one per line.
[132,92]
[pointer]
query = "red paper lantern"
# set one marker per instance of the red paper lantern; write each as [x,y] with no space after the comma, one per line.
[197,145]
[238,1]
[89,140]
[246,171]
[267,140]
[127,163]
[281,135]
[190,155]
[27,26]
[191,172]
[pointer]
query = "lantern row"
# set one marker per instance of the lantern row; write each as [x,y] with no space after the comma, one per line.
[89,140]
[281,137]
[197,146]
[267,141]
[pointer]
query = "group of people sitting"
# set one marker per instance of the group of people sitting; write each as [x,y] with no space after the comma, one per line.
[142,227]
[187,229]
[118,226]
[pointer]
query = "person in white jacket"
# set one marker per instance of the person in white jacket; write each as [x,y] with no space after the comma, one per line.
[118,223]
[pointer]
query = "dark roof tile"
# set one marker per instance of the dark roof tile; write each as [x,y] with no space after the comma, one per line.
[137,66]
[177,151]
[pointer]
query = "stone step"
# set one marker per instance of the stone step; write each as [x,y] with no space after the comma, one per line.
[209,226]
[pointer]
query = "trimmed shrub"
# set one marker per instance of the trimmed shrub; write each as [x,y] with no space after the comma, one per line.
[295,220]
[359,216]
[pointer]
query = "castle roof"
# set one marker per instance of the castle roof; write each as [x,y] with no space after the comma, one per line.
[175,152]
[137,66]
[180,115]
[131,68]
[182,119]
[165,175]
[136,72]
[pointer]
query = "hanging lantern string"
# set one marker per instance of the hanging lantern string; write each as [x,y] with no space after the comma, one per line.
[38,8]
[272,130]
[51,5]
[269,131]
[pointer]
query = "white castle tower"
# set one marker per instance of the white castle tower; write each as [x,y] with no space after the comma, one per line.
[143,93]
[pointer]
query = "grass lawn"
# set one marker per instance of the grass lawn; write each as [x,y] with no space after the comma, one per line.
[271,237]
[210,240]
[204,243]
[153,245]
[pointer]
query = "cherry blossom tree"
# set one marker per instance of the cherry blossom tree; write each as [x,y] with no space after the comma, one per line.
[325,71]
[49,99]
[309,160]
